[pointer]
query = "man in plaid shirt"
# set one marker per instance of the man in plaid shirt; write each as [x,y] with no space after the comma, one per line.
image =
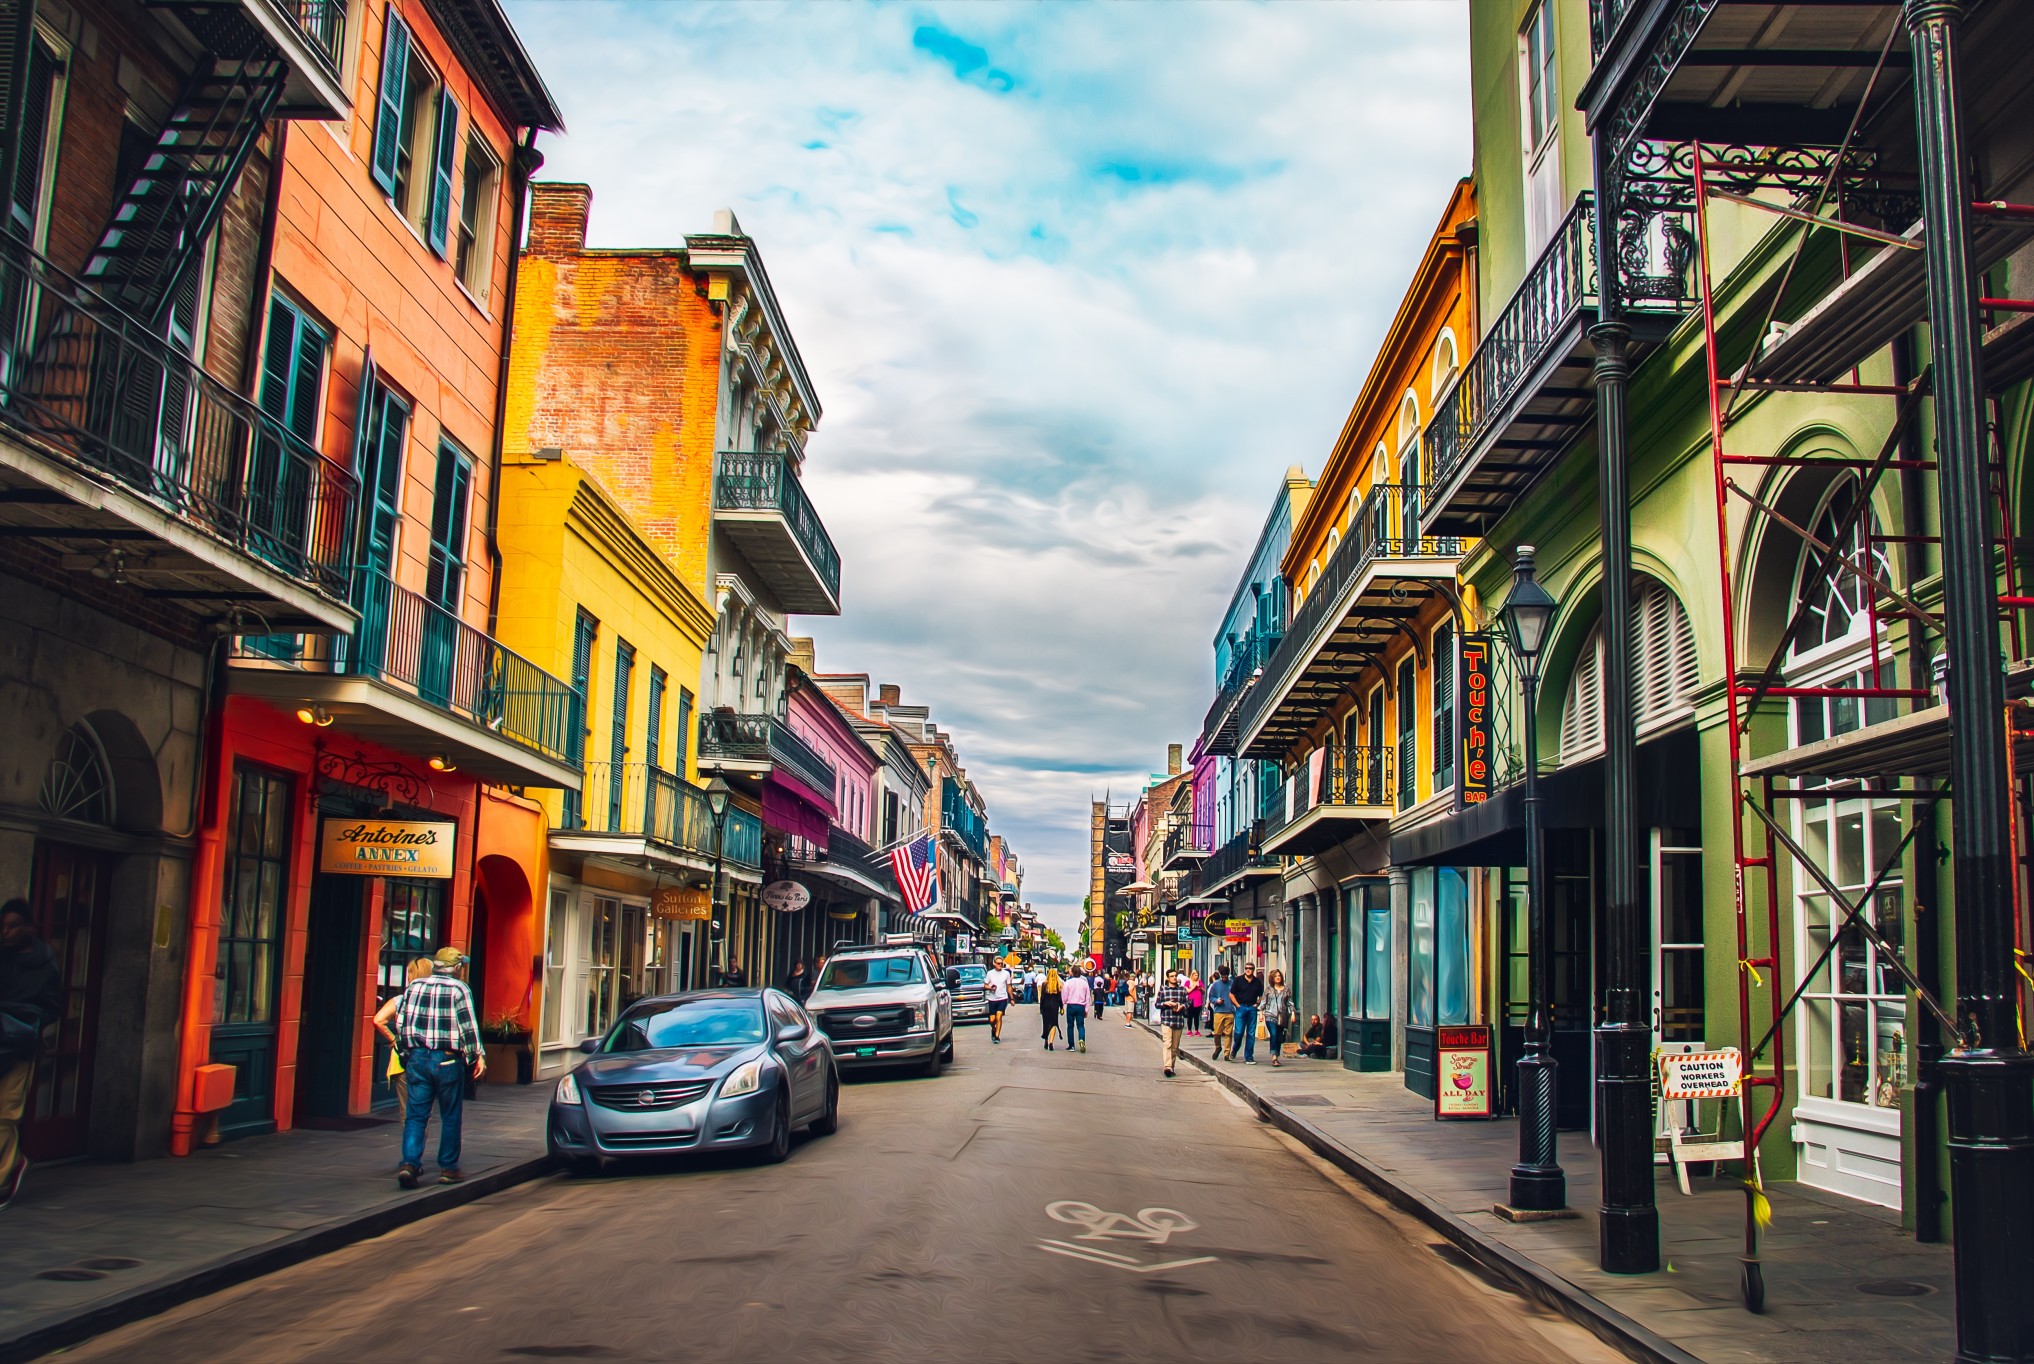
[439,1036]
[1172,1016]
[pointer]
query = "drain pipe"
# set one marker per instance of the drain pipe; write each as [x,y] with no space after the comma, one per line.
[525,163]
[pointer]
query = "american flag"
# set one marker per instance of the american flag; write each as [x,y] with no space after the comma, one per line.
[917,871]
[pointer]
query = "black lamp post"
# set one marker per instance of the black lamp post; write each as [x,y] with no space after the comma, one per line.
[1538,1183]
[717,791]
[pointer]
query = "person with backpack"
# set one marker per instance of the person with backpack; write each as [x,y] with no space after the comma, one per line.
[31,998]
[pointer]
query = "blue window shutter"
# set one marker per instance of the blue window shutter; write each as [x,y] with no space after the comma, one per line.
[441,175]
[388,119]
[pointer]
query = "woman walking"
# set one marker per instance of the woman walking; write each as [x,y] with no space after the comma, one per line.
[1277,1013]
[1197,1001]
[1048,1006]
[420,967]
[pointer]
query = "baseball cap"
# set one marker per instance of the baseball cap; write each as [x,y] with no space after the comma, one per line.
[449,957]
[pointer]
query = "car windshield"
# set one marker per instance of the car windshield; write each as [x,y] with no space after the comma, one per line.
[862,973]
[690,1023]
[973,975]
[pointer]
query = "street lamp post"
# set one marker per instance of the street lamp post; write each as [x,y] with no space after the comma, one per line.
[1538,1184]
[717,791]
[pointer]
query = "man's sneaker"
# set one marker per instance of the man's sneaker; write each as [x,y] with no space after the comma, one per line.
[1168,1075]
[1084,1046]
[11,1185]
[451,1176]
[406,1175]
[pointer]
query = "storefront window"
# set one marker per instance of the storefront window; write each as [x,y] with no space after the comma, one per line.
[1377,960]
[1856,1012]
[557,943]
[1679,1014]
[633,976]
[257,883]
[1420,951]
[1451,946]
[412,921]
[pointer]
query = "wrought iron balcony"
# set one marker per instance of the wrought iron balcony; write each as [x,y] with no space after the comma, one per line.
[1218,731]
[848,859]
[1370,586]
[1186,844]
[1331,795]
[635,800]
[1235,862]
[420,652]
[761,506]
[211,500]
[961,820]
[763,741]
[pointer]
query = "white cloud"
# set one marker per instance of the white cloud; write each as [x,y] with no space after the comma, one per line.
[1075,285]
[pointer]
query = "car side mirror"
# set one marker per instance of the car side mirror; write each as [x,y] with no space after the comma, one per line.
[590,1045]
[793,1032]
[953,978]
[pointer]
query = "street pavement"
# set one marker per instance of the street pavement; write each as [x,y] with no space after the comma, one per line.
[1027,1205]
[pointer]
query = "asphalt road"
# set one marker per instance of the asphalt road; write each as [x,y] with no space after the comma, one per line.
[1025,1208]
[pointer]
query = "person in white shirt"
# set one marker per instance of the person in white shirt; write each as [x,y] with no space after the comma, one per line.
[1075,994]
[997,983]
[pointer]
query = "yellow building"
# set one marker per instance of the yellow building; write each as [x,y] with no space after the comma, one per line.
[585,594]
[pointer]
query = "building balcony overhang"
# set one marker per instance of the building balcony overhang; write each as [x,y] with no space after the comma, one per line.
[636,852]
[310,35]
[760,506]
[1324,827]
[388,715]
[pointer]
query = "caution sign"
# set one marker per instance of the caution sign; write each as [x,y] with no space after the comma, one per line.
[1701,1074]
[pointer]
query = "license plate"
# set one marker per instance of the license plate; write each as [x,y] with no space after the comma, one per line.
[865,1051]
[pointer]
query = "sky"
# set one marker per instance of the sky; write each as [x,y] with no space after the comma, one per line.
[1075,283]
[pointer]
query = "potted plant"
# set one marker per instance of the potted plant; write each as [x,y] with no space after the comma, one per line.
[509,1053]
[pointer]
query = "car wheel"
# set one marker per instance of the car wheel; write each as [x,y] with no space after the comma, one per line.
[828,1122]
[779,1149]
[933,1062]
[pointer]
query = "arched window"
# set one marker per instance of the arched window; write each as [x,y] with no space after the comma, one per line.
[1446,362]
[1409,470]
[1664,672]
[1334,541]
[1313,575]
[78,785]
[1835,602]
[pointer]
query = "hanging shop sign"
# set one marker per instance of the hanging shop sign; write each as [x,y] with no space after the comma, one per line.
[387,847]
[787,897]
[683,902]
[963,943]
[1474,688]
[1462,1072]
[1121,861]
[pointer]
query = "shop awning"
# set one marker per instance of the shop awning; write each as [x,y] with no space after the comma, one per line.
[1492,834]
[1133,888]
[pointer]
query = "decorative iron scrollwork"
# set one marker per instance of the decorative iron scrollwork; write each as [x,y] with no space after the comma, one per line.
[394,783]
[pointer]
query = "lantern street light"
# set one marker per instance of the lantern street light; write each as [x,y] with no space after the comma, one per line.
[717,792]
[1538,1183]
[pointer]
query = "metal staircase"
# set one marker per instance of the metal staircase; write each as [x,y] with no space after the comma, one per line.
[160,224]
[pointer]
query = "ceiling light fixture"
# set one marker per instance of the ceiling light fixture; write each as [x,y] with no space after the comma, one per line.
[442,762]
[315,715]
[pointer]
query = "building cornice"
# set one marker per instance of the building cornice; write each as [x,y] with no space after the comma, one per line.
[595,518]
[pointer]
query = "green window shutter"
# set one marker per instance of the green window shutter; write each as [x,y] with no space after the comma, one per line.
[292,364]
[441,175]
[449,501]
[26,192]
[653,745]
[388,119]
[683,732]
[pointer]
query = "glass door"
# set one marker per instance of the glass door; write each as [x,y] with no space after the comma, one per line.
[412,926]
[252,914]
[67,903]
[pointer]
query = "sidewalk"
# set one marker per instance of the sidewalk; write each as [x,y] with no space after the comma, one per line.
[1843,1283]
[88,1246]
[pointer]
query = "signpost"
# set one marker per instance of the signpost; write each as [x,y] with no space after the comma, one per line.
[1462,1072]
[387,847]
[1689,1076]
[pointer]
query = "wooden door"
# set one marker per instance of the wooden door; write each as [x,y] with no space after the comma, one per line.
[68,904]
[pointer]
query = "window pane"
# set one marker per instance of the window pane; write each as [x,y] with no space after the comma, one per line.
[1377,963]
[1451,948]
[1420,963]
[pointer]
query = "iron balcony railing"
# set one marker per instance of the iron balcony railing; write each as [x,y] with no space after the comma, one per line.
[848,850]
[1561,283]
[764,738]
[1384,526]
[755,481]
[323,22]
[418,646]
[1244,661]
[960,819]
[1238,854]
[1339,776]
[636,799]
[1186,837]
[1604,18]
[81,376]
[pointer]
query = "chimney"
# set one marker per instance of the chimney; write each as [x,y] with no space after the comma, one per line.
[890,694]
[558,218]
[1172,758]
[801,655]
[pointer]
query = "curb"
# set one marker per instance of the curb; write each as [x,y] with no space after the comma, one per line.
[1526,1276]
[58,1330]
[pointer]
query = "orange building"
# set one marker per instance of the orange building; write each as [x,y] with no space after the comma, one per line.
[382,332]
[1356,702]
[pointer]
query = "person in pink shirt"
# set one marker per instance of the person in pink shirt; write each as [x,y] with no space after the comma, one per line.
[1076,994]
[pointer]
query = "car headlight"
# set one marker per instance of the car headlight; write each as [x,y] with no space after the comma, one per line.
[568,1091]
[747,1079]
[920,1016]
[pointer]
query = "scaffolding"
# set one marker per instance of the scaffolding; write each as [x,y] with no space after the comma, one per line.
[1900,750]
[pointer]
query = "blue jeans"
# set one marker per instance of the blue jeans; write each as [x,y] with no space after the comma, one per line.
[440,1076]
[1076,1022]
[1246,1031]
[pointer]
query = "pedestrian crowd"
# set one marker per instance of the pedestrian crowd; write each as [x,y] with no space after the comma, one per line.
[1234,1010]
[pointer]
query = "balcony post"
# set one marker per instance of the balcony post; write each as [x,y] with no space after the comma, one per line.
[1628,1221]
[1989,1076]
